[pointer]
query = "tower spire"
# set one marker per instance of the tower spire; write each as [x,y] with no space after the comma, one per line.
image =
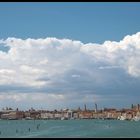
[85,108]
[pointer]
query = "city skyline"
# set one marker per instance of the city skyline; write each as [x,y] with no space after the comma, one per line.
[64,55]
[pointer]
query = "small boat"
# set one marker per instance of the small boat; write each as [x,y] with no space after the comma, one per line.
[72,118]
[28,118]
[62,118]
[136,118]
[121,118]
[12,118]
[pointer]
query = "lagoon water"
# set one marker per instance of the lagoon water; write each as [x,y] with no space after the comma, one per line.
[69,128]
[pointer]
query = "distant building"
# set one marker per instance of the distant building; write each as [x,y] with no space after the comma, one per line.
[34,114]
[85,115]
[75,115]
[57,115]
[47,115]
[85,107]
[13,115]
[95,107]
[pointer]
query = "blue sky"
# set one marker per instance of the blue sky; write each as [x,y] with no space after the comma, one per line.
[88,22]
[61,54]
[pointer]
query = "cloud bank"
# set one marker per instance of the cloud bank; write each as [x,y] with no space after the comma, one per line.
[49,67]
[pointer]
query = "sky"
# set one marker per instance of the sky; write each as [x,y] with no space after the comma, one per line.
[57,55]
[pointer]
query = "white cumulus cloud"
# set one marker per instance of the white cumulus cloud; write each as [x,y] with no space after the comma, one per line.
[63,64]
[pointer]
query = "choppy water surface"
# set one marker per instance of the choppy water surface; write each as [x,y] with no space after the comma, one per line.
[69,128]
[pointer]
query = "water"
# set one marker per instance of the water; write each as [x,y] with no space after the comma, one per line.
[69,128]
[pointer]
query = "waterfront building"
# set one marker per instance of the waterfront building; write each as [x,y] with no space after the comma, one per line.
[57,115]
[85,114]
[95,115]
[13,115]
[75,115]
[47,115]
[27,114]
[5,116]
[110,113]
[132,113]
[34,114]
[70,114]
[67,114]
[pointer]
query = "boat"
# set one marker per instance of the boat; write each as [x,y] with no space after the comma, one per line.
[121,118]
[62,118]
[28,118]
[136,118]
[72,118]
